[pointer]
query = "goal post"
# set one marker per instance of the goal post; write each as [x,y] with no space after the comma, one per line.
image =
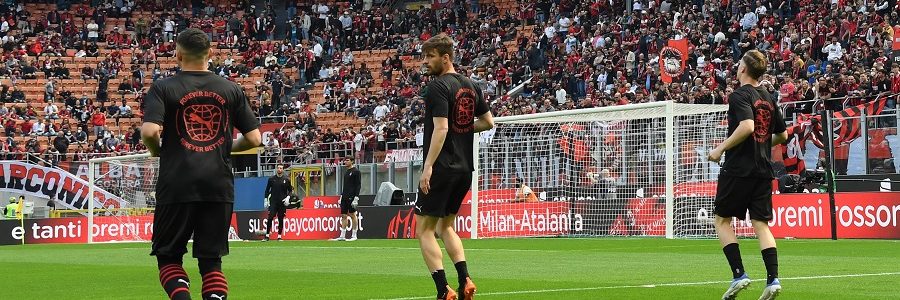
[629,170]
[122,196]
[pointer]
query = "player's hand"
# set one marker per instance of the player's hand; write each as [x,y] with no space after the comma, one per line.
[715,155]
[425,180]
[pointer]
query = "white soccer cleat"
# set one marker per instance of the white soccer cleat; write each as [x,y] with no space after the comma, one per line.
[736,286]
[771,291]
[340,238]
[351,239]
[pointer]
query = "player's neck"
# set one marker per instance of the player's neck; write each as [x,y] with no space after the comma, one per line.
[449,70]
[747,80]
[187,68]
[199,66]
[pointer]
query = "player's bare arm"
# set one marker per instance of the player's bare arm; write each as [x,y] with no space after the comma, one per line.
[484,122]
[150,134]
[441,126]
[247,141]
[744,129]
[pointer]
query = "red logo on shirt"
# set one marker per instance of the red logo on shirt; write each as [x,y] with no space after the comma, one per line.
[200,121]
[762,117]
[464,114]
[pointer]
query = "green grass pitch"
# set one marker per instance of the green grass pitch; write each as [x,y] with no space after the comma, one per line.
[609,268]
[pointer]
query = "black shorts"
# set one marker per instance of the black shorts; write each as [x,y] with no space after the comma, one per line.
[446,195]
[208,223]
[347,205]
[737,195]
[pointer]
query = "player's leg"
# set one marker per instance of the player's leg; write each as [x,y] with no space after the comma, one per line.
[457,254]
[731,201]
[343,225]
[171,231]
[354,223]
[281,212]
[430,208]
[460,186]
[212,224]
[760,215]
[431,252]
[269,219]
[345,218]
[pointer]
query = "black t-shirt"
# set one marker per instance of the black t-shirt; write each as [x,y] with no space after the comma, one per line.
[277,189]
[199,112]
[458,99]
[751,158]
[352,182]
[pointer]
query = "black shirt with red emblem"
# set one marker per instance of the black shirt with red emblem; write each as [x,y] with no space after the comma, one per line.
[199,112]
[457,98]
[751,158]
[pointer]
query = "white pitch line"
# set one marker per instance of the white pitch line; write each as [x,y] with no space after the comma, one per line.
[336,247]
[651,285]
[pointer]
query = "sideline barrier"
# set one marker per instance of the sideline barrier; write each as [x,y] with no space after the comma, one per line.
[870,215]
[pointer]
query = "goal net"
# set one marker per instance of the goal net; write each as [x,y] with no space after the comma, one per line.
[124,198]
[632,170]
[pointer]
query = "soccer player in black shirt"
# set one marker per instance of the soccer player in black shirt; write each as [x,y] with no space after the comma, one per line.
[745,182]
[349,194]
[452,103]
[195,189]
[278,189]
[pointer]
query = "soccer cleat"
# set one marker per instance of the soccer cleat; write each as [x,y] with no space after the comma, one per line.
[265,239]
[467,291]
[450,295]
[279,239]
[351,239]
[736,286]
[340,238]
[771,291]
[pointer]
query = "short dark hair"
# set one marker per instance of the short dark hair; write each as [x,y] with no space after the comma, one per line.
[193,44]
[441,43]
[351,158]
[756,63]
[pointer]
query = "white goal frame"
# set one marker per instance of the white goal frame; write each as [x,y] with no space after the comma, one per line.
[663,109]
[92,171]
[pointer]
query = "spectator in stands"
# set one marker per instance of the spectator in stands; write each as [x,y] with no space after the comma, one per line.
[81,137]
[38,128]
[61,144]
[51,111]
[98,121]
[32,146]
[49,89]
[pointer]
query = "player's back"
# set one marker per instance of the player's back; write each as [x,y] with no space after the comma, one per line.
[457,98]
[752,157]
[198,112]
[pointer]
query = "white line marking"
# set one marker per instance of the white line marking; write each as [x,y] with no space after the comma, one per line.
[651,285]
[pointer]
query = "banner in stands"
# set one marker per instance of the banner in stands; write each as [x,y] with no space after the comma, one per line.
[402,157]
[672,60]
[895,46]
[868,183]
[43,182]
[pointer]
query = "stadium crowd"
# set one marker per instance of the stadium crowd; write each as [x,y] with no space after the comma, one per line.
[564,54]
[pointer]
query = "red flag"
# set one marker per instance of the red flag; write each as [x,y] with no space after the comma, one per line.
[673,60]
[846,123]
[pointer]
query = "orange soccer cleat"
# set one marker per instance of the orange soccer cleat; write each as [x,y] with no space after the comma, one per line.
[451,295]
[468,290]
